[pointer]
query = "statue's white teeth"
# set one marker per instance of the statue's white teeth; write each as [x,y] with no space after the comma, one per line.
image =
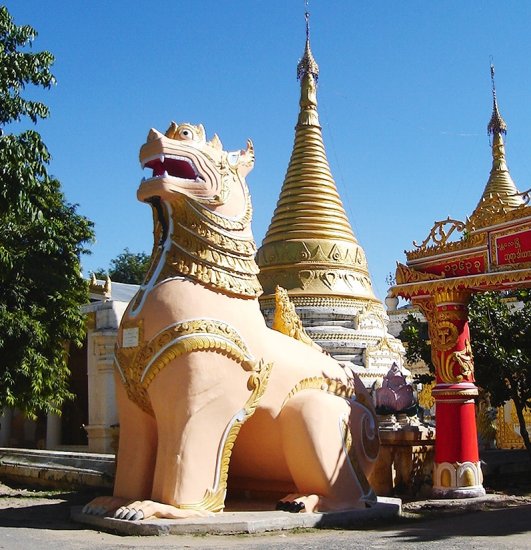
[161,158]
[165,174]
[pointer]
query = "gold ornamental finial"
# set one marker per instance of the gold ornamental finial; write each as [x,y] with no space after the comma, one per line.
[307,74]
[500,194]
[496,124]
[307,64]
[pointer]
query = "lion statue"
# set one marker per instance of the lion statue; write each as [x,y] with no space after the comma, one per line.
[202,383]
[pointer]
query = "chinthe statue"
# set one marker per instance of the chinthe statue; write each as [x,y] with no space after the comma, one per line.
[202,384]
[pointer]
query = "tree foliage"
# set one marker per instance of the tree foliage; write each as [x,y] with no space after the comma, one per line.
[500,330]
[128,267]
[41,239]
[501,341]
[414,334]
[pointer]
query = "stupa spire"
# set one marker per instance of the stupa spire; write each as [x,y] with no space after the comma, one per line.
[501,193]
[308,74]
[496,124]
[310,229]
[310,250]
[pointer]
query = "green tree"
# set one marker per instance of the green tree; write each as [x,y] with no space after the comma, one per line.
[501,341]
[414,334]
[500,330]
[41,239]
[128,267]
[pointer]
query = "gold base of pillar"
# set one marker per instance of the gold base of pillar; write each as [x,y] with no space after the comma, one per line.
[458,480]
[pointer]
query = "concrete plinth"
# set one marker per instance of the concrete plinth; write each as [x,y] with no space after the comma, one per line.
[234,521]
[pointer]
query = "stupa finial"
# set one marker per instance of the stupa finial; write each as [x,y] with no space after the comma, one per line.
[308,73]
[496,124]
[307,65]
[500,194]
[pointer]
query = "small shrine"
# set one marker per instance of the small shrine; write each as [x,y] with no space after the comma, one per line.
[310,250]
[493,253]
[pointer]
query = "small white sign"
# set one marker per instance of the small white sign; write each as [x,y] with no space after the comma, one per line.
[130,337]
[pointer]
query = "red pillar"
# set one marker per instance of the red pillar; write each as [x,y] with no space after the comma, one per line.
[457,471]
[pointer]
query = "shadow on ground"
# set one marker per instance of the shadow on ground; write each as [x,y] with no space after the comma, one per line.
[483,525]
[40,509]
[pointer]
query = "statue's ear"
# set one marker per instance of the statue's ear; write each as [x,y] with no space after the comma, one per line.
[246,160]
[215,142]
[172,130]
[201,132]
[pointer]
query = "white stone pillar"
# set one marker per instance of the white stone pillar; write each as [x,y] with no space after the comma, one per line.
[101,338]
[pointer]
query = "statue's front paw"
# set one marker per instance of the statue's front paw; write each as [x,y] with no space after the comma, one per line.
[103,506]
[139,510]
[133,511]
[293,507]
[295,503]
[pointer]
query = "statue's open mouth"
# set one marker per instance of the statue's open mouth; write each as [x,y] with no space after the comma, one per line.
[172,165]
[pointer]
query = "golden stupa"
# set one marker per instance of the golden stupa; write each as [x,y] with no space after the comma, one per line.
[310,248]
[500,194]
[311,251]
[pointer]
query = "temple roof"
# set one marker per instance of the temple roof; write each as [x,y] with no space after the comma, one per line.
[310,230]
[500,190]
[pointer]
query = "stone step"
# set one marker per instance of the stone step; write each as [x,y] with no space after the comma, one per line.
[59,469]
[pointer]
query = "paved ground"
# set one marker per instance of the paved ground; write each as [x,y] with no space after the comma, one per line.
[33,519]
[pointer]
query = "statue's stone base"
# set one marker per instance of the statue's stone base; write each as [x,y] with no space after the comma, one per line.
[237,522]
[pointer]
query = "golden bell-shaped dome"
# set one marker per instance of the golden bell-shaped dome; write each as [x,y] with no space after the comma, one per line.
[310,248]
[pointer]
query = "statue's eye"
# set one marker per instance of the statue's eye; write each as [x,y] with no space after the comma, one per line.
[186,133]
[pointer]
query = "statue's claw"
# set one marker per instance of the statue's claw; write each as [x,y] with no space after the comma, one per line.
[139,510]
[121,512]
[131,513]
[293,507]
[295,503]
[102,506]
[297,507]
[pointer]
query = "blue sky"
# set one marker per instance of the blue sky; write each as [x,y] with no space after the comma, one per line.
[404,101]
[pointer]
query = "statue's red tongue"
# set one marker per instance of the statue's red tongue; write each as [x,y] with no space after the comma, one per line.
[174,167]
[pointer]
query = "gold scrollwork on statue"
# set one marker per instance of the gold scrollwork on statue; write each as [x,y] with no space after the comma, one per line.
[286,319]
[203,249]
[214,499]
[335,387]
[350,451]
[139,366]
